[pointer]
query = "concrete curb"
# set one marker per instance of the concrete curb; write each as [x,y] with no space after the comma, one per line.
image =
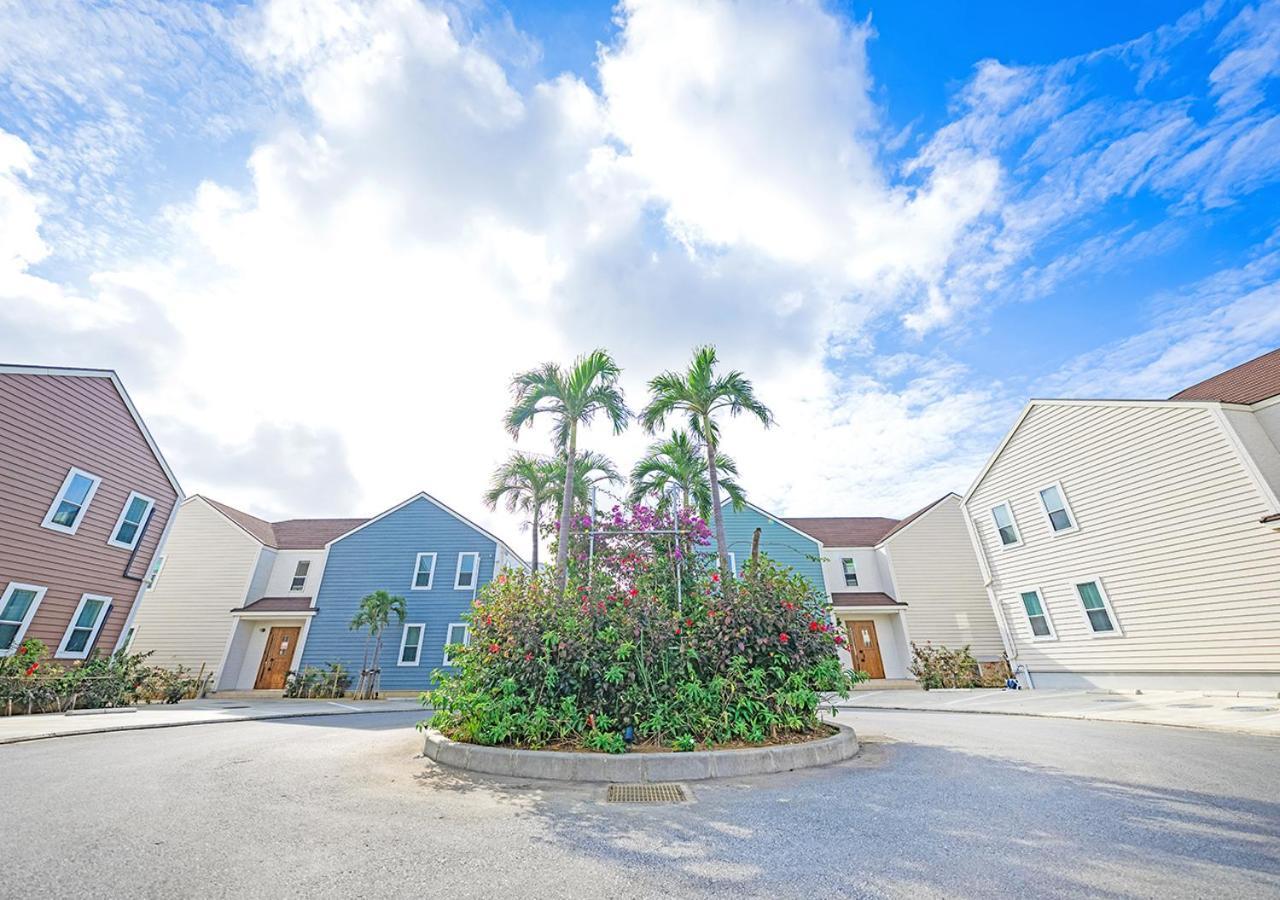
[1074,717]
[147,726]
[553,765]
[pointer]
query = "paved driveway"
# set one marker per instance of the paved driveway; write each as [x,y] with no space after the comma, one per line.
[937,805]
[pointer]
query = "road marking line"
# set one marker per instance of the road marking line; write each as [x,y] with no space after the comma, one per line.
[344,706]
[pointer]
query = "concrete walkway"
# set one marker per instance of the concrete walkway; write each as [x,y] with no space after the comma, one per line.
[1255,714]
[17,729]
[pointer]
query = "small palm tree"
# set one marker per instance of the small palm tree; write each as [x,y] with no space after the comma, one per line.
[701,395]
[571,397]
[375,614]
[591,469]
[527,485]
[679,463]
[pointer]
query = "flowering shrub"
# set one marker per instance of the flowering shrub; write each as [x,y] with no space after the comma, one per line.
[646,644]
[30,685]
[940,667]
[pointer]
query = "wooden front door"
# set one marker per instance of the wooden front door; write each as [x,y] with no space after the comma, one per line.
[276,658]
[865,647]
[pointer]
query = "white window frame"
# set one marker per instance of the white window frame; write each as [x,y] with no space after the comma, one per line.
[1066,505]
[431,576]
[448,639]
[153,572]
[1012,518]
[63,652]
[475,573]
[845,574]
[1044,607]
[137,535]
[404,642]
[297,587]
[61,495]
[733,562]
[1116,630]
[25,623]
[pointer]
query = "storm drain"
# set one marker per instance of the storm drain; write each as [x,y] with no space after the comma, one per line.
[646,793]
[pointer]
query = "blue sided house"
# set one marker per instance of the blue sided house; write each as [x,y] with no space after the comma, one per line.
[423,551]
[782,543]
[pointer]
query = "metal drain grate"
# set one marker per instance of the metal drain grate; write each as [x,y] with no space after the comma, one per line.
[646,793]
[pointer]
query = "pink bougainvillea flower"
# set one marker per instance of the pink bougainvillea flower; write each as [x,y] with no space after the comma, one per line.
[839,639]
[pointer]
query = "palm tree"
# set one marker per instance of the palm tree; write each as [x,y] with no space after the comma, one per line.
[700,395]
[572,397]
[375,613]
[528,485]
[591,469]
[678,463]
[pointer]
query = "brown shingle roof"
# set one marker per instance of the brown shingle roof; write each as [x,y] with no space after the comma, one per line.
[845,531]
[1249,382]
[290,534]
[863,598]
[277,604]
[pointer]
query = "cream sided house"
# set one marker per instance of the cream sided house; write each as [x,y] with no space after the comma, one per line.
[233,595]
[1136,543]
[891,582]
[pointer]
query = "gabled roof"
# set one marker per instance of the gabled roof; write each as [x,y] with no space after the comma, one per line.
[915,515]
[845,531]
[1247,383]
[423,495]
[785,523]
[63,372]
[290,534]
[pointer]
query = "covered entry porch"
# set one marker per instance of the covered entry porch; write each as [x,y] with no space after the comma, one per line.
[875,627]
[265,644]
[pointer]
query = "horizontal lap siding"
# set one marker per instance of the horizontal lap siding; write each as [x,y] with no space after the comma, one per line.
[1168,520]
[381,556]
[777,541]
[49,424]
[936,574]
[208,561]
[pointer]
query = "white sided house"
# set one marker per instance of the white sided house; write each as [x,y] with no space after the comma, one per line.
[894,582]
[227,584]
[1136,543]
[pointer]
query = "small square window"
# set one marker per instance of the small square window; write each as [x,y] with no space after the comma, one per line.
[300,575]
[132,521]
[468,570]
[850,572]
[72,502]
[85,624]
[424,571]
[1005,525]
[411,645]
[459,633]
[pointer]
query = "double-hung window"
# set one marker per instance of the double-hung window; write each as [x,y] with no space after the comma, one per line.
[1097,607]
[411,645]
[1006,527]
[468,571]
[17,607]
[153,573]
[424,572]
[1038,616]
[72,502]
[850,572]
[458,633]
[1054,502]
[300,575]
[83,630]
[128,528]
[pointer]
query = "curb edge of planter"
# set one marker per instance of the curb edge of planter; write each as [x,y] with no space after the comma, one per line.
[699,765]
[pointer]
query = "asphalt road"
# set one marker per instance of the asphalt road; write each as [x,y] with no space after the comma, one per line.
[937,805]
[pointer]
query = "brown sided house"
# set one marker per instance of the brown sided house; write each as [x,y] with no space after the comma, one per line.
[87,500]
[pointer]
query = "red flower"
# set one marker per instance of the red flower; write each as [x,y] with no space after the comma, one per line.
[31,669]
[715,576]
[688,622]
[813,626]
[634,591]
[528,657]
[784,637]
[839,639]
[502,579]
[494,648]
[677,629]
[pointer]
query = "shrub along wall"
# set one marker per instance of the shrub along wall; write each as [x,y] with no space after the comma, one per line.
[646,645]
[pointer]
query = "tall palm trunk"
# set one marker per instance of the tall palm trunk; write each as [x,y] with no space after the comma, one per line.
[722,544]
[566,508]
[537,521]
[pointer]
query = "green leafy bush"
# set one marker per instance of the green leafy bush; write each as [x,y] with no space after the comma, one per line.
[940,667]
[646,644]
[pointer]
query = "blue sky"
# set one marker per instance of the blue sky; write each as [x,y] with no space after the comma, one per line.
[317,238]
